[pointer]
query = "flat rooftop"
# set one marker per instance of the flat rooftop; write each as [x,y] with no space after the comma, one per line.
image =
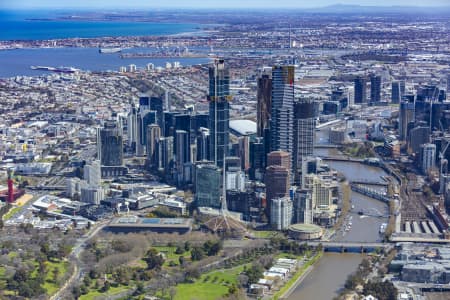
[133,221]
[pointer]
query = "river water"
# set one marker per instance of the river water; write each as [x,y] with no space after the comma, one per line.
[327,278]
[329,274]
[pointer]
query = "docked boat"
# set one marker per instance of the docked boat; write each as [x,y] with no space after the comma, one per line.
[53,69]
[65,70]
[42,68]
[109,50]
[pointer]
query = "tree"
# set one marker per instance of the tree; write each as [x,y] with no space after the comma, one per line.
[153,259]
[197,253]
[106,287]
[187,246]
[179,250]
[254,273]
[55,274]
[172,292]
[242,280]
[182,260]
[192,273]
[139,289]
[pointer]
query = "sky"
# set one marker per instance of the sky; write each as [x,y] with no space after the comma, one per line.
[31,4]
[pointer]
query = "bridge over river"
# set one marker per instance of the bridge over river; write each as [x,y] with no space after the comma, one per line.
[354,247]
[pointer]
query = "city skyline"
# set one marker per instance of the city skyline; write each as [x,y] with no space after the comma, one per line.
[136,4]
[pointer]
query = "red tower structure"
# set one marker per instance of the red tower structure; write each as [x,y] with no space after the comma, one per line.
[10,198]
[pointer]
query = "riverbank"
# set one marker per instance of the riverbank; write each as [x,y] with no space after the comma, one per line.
[299,276]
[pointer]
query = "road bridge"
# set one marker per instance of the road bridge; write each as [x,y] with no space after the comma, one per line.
[342,158]
[353,247]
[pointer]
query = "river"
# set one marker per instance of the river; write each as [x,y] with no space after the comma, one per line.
[327,277]
[329,274]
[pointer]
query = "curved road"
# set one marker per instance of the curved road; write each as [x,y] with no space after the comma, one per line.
[74,257]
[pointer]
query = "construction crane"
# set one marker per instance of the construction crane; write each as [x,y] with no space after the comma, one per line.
[442,162]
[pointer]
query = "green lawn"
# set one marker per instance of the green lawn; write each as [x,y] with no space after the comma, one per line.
[11,212]
[170,255]
[209,286]
[49,285]
[112,291]
[267,234]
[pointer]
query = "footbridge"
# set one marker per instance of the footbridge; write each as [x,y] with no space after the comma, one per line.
[359,188]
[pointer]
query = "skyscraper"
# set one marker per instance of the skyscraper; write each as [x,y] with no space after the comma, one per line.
[279,158]
[303,207]
[157,104]
[405,117]
[92,173]
[182,154]
[110,145]
[304,126]
[132,132]
[277,182]
[264,102]
[208,187]
[153,136]
[428,157]
[282,112]
[144,119]
[398,90]
[203,144]
[280,213]
[165,152]
[360,90]
[219,114]
[244,152]
[257,159]
[375,88]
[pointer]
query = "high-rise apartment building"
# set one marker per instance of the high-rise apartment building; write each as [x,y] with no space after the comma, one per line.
[304,130]
[277,180]
[282,112]
[219,111]
[264,101]
[280,213]
[153,136]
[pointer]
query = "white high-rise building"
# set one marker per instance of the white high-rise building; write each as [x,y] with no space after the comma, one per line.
[92,195]
[132,68]
[92,173]
[428,152]
[281,213]
[235,180]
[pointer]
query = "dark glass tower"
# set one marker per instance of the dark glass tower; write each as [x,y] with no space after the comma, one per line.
[360,90]
[264,103]
[282,114]
[219,111]
[110,145]
[375,88]
[304,121]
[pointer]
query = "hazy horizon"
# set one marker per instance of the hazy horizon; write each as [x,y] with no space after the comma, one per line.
[198,4]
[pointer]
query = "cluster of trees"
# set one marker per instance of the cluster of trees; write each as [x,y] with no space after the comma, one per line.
[291,247]
[209,248]
[153,259]
[26,286]
[58,253]
[382,290]
[256,270]
[357,278]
